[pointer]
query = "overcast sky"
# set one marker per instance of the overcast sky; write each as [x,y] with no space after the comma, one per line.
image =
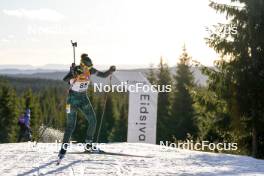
[120,32]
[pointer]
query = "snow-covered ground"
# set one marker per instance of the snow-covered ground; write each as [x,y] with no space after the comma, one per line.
[22,159]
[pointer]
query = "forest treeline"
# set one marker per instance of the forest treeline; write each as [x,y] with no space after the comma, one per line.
[47,103]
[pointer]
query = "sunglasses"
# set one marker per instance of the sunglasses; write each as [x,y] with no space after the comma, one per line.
[86,67]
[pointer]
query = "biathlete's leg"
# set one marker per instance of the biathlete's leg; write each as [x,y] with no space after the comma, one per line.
[87,109]
[70,126]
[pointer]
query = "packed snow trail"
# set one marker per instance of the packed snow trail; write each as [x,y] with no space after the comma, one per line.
[23,160]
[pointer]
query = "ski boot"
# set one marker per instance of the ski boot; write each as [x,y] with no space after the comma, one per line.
[61,155]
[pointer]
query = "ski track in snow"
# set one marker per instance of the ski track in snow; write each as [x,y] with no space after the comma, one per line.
[22,160]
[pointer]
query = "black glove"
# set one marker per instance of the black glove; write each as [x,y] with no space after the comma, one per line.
[112,68]
[77,70]
[72,68]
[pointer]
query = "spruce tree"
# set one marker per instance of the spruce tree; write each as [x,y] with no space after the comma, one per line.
[241,82]
[164,103]
[183,117]
[8,114]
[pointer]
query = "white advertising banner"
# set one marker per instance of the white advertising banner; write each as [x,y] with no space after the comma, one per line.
[142,108]
[142,117]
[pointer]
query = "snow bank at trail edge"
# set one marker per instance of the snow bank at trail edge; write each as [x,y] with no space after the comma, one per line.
[49,134]
[21,159]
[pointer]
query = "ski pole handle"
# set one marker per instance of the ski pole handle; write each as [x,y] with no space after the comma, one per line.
[72,68]
[74,44]
[73,65]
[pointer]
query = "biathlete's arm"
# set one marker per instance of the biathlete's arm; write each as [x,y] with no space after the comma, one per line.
[102,74]
[68,77]
[93,70]
[72,73]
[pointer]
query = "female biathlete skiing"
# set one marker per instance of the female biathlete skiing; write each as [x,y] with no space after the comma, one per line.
[78,78]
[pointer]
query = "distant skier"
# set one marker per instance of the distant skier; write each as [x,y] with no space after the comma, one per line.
[24,123]
[79,78]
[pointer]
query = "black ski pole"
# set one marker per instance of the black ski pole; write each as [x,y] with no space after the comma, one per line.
[102,116]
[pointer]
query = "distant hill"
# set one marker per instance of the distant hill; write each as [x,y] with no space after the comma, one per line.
[22,84]
[58,75]
[11,71]
[29,69]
